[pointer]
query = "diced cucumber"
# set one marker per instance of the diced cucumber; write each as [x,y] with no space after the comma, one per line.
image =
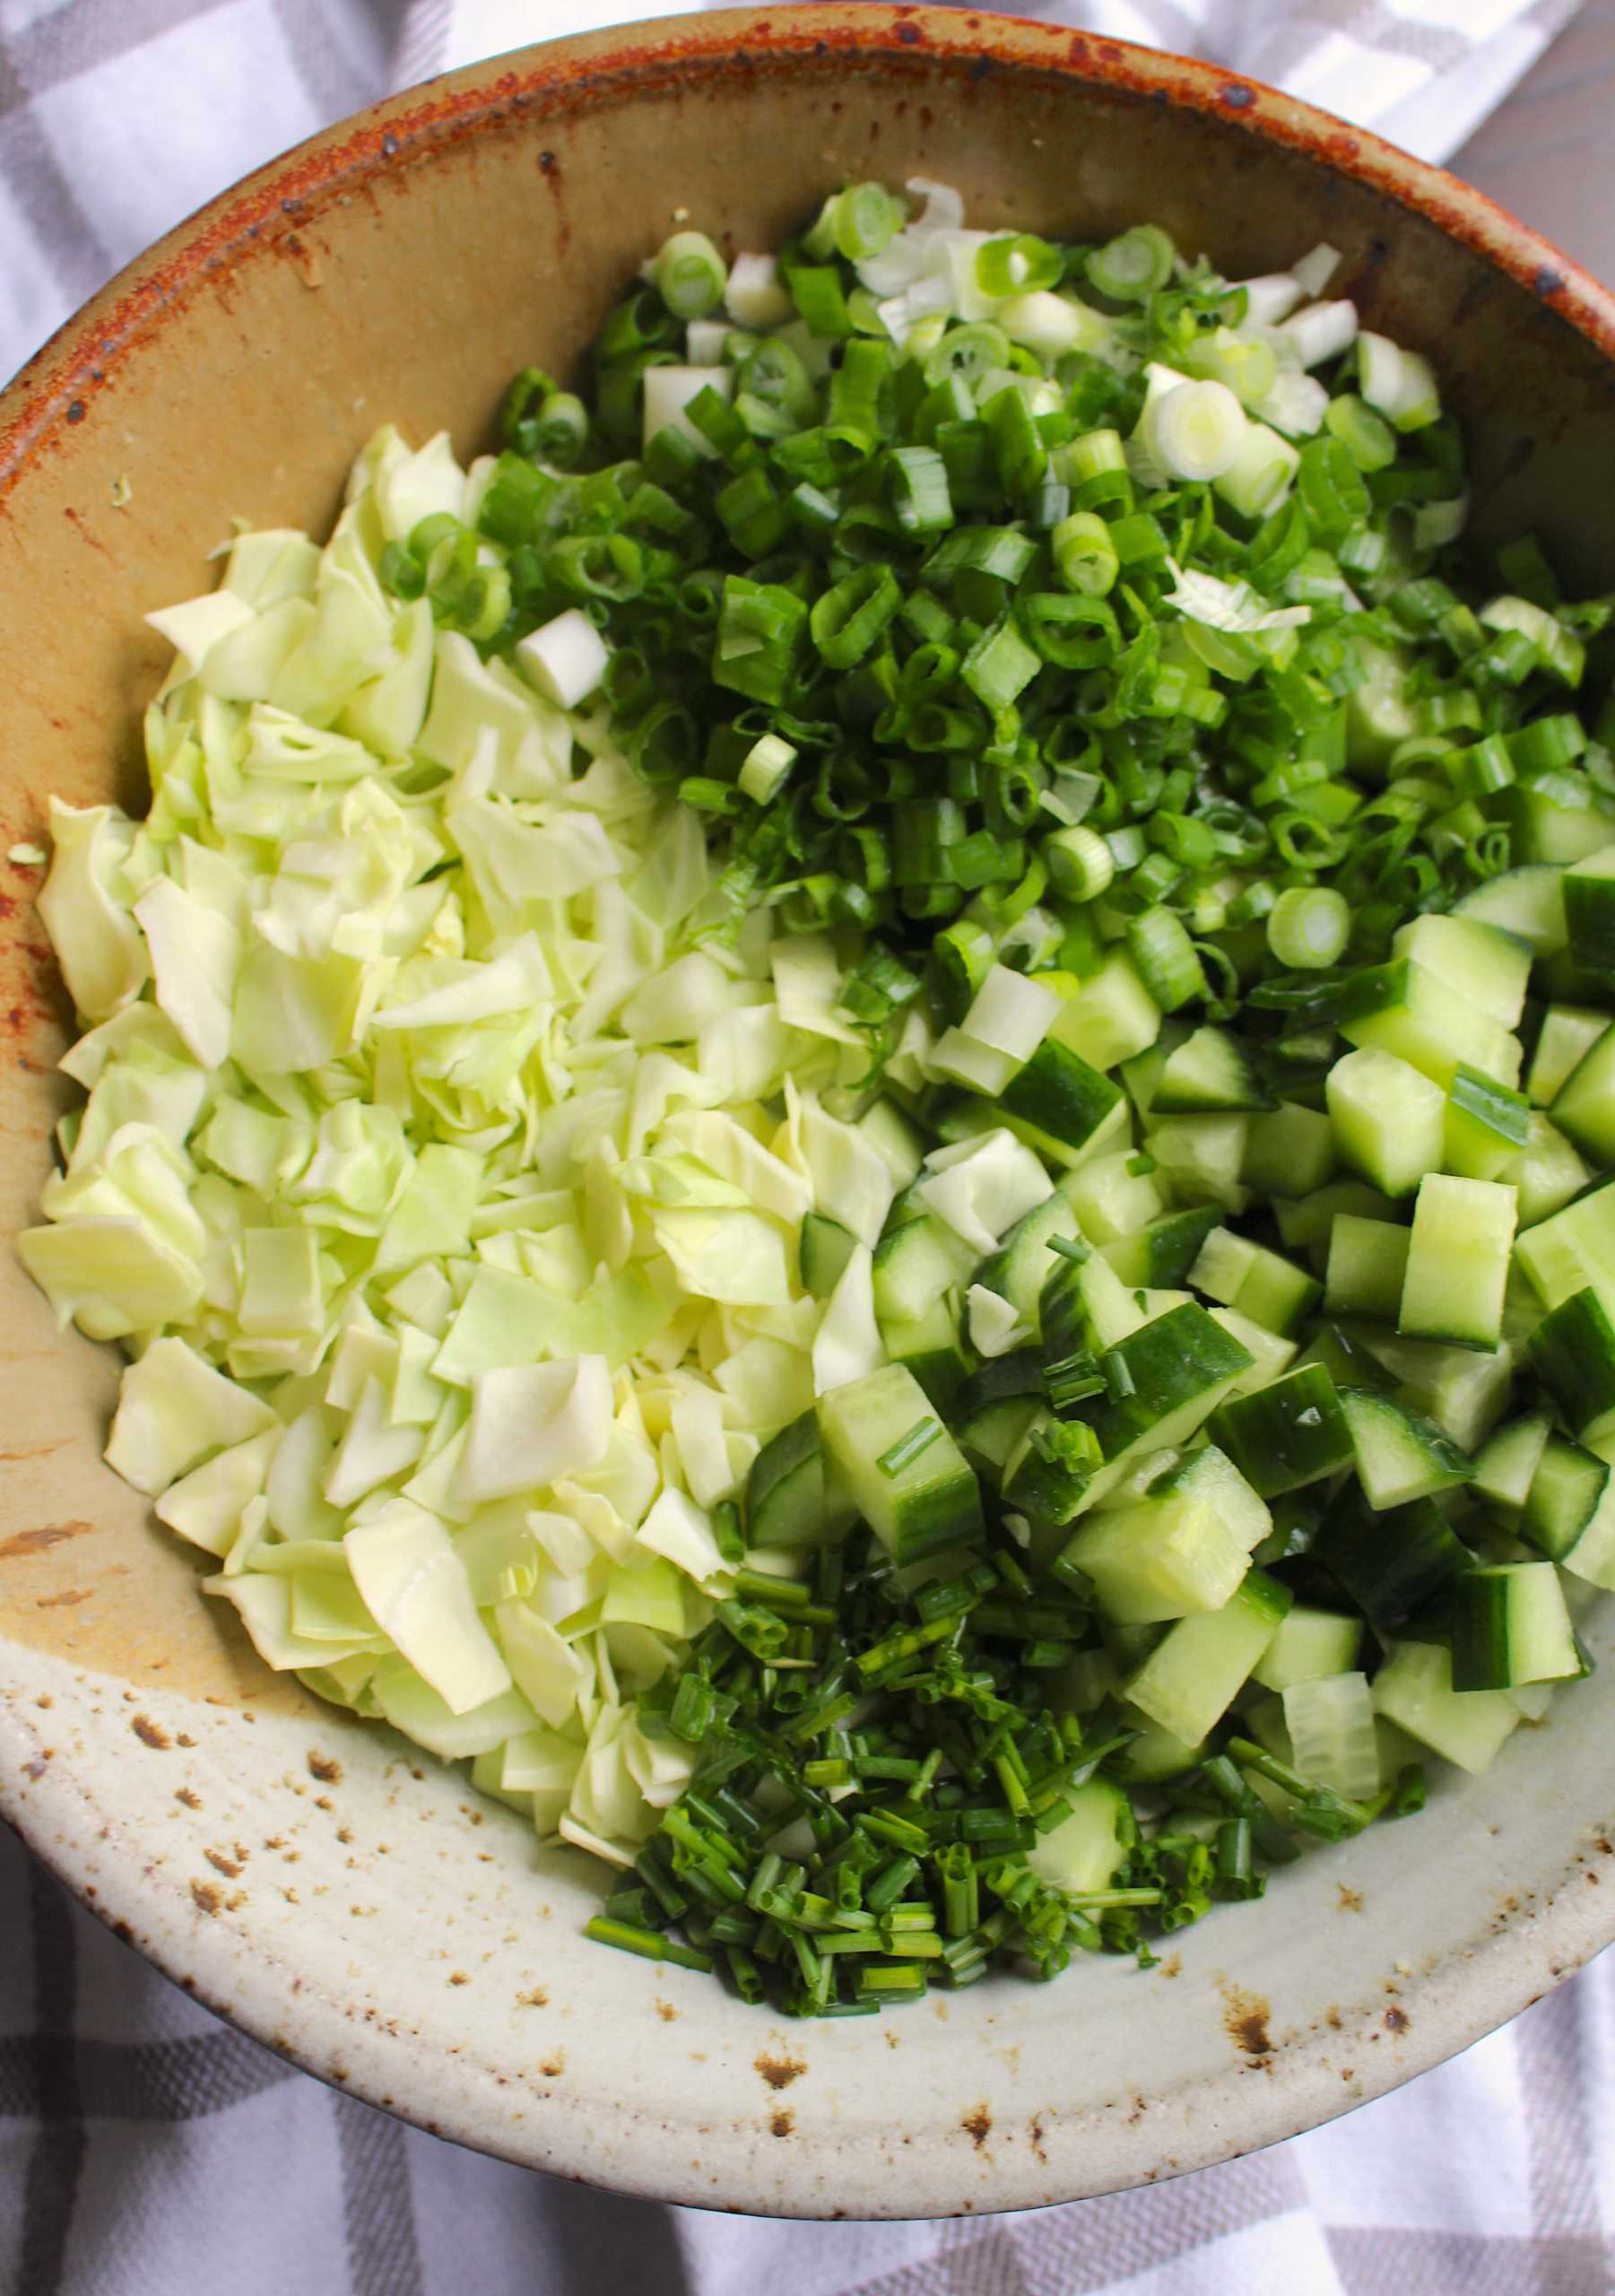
[1047,1477]
[1084,1304]
[1163,1250]
[1344,1353]
[1155,1755]
[1592,1560]
[1110,1199]
[1565,1488]
[931,1502]
[1305,1224]
[1482,962]
[1257,1283]
[1547,1174]
[1414,1690]
[791,1499]
[1380,707]
[1464,1391]
[1161,1382]
[1506,1462]
[1203,1156]
[1510,1625]
[1270,1356]
[1193,1674]
[1568,1034]
[1367,1265]
[1527,902]
[1309,1644]
[1583,1109]
[1111,1017]
[1290,1152]
[1458,1256]
[893,1139]
[1572,1352]
[823,1249]
[1545,829]
[988,1435]
[1286,1435]
[1212,1072]
[1589,889]
[1401,1455]
[1390,1564]
[1330,1718]
[917,1265]
[1084,1852]
[1184,1547]
[1389,1119]
[1487,1127]
[1406,1009]
[1024,1261]
[931,1345]
[1572,1248]
[1059,1104]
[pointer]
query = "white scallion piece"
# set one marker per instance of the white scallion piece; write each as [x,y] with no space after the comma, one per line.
[1194,432]
[754,296]
[668,391]
[1322,331]
[565,659]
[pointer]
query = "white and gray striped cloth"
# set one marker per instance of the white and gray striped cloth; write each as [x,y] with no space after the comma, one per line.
[146,2150]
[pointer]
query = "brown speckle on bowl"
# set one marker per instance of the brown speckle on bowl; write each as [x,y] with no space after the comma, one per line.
[977,2125]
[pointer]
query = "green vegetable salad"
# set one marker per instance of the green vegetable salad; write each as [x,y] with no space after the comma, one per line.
[859,1114]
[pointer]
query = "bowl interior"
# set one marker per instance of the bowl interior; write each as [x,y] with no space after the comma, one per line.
[341,1896]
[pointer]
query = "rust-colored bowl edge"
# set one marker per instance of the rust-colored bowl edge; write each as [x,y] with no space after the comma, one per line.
[56,387]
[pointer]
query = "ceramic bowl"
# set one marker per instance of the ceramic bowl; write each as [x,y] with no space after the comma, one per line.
[340,1896]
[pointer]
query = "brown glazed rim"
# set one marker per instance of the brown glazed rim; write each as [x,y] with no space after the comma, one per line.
[572,76]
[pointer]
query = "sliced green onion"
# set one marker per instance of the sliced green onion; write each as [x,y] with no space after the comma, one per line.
[1308,927]
[691,275]
[1132,265]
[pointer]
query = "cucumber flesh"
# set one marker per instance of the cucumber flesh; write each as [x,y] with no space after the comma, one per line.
[1193,1676]
[934,1501]
[1510,1626]
[1414,1690]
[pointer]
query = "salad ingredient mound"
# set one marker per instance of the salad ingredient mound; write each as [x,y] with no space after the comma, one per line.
[861,1114]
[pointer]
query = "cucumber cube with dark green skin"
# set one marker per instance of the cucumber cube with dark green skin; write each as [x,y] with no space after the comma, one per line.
[1507,1463]
[1564,1492]
[931,1346]
[790,1502]
[1487,1126]
[1583,1110]
[916,1266]
[1063,1101]
[1511,1625]
[1193,1674]
[1572,1248]
[1025,1259]
[1390,1563]
[1286,1435]
[1401,1455]
[1160,1254]
[1183,1546]
[1163,1380]
[1572,1352]
[823,1249]
[1046,1476]
[1589,890]
[1211,1071]
[930,1501]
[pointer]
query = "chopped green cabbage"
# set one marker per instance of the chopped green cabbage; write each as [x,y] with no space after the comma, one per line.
[444,1191]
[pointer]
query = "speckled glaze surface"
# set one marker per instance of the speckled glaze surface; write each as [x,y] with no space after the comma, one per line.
[311,1878]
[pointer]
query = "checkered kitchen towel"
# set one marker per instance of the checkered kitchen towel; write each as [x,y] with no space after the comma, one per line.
[146,2150]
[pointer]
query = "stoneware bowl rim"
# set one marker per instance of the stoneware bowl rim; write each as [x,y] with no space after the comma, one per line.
[1464,1999]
